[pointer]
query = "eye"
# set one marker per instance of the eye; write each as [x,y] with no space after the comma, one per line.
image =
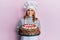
[32,10]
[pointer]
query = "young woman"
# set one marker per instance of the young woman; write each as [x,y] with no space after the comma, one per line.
[30,19]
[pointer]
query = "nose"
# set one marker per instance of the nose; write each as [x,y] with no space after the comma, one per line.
[29,12]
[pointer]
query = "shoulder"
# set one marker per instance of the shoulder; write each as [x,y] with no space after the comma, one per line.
[21,19]
[38,21]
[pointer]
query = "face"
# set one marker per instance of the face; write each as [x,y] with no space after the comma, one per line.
[30,12]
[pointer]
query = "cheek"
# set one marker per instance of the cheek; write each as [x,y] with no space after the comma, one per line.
[32,12]
[28,12]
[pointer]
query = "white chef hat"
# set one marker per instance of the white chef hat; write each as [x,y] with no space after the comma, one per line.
[31,4]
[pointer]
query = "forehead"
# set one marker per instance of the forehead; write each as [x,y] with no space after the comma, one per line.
[30,9]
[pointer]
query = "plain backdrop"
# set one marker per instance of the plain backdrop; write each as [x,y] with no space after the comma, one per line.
[11,11]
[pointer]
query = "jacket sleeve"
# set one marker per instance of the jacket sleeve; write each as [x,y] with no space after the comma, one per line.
[19,24]
[38,23]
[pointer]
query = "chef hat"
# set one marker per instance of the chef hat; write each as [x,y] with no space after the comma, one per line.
[31,4]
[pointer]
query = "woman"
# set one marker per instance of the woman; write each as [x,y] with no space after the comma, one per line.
[30,19]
